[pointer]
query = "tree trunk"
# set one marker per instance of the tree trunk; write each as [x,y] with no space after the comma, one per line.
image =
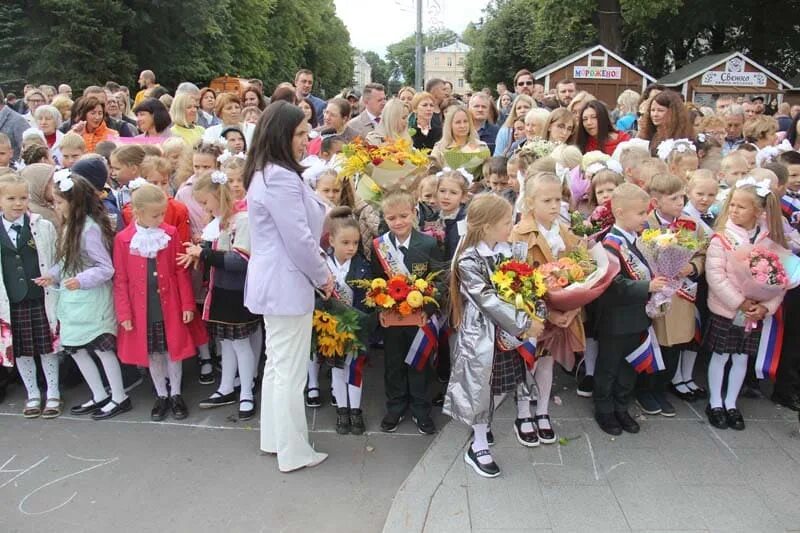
[609,24]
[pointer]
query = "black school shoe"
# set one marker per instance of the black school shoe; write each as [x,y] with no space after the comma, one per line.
[546,435]
[79,410]
[627,422]
[357,426]
[735,419]
[218,400]
[608,423]
[716,417]
[206,378]
[792,401]
[343,425]
[424,425]
[179,409]
[529,439]
[314,403]
[123,407]
[685,396]
[160,409]
[246,413]
[488,470]
[390,422]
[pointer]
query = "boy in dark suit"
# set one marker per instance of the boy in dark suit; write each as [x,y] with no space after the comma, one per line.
[404,250]
[622,320]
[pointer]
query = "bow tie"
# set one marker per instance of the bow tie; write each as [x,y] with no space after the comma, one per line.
[707,217]
[793,194]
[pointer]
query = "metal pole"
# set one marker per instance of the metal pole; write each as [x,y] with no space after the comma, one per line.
[419,49]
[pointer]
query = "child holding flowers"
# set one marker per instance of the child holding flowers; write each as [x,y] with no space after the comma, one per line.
[741,262]
[547,239]
[478,314]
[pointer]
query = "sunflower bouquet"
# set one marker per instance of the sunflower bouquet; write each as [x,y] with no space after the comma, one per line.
[336,335]
[521,285]
[401,298]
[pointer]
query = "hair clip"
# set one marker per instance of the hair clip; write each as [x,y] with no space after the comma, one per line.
[701,138]
[66,184]
[219,177]
[562,172]
[135,184]
[762,187]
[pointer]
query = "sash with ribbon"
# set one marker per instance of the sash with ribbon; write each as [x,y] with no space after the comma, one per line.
[426,341]
[344,292]
[646,358]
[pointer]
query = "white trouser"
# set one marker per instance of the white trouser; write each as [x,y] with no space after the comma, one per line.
[283,417]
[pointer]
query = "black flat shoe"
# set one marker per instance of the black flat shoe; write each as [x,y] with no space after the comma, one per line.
[179,409]
[342,420]
[357,426]
[529,439]
[608,423]
[735,419]
[123,407]
[425,426]
[546,435]
[247,414]
[218,400]
[313,403]
[716,417]
[488,470]
[685,396]
[627,422]
[206,378]
[699,392]
[80,410]
[160,408]
[438,401]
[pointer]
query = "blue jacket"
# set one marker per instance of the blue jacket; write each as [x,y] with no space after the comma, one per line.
[488,134]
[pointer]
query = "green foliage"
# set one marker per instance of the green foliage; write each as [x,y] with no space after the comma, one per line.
[403,52]
[382,70]
[87,42]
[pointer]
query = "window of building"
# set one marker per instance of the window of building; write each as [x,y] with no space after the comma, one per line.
[449,61]
[597,61]
[461,61]
[460,83]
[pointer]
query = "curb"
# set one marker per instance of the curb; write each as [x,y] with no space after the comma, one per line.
[410,506]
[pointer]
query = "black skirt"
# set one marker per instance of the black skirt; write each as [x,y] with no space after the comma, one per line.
[227,306]
[30,331]
[508,371]
[225,331]
[104,343]
[722,337]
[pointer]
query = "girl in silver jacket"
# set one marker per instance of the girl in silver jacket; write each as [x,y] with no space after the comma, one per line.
[477,312]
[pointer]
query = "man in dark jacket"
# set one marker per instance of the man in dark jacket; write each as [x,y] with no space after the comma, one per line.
[12,124]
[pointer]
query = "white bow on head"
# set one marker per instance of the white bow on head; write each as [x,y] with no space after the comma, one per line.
[219,177]
[135,184]
[667,146]
[762,187]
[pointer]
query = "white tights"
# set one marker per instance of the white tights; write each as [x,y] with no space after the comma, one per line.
[237,354]
[161,367]
[92,376]
[345,393]
[716,375]
[27,370]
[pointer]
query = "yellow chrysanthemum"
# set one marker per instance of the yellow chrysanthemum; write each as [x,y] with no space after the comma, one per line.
[421,284]
[378,283]
[415,299]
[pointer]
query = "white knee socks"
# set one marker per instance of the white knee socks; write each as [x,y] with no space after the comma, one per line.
[481,442]
[735,379]
[158,373]
[590,355]
[229,366]
[114,376]
[246,364]
[716,374]
[204,355]
[50,368]
[339,383]
[175,371]
[27,371]
[543,375]
[313,378]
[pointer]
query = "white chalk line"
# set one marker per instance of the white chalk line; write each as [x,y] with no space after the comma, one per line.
[714,433]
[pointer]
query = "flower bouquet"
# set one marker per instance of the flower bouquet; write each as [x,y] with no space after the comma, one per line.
[472,162]
[336,335]
[523,287]
[401,298]
[385,165]
[667,252]
[538,147]
[601,219]
[579,277]
[6,346]
[759,273]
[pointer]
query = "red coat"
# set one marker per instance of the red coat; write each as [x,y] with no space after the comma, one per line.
[610,144]
[130,298]
[177,215]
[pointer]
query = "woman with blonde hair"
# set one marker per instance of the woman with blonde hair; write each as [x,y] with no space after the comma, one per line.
[535,119]
[627,104]
[559,126]
[63,103]
[393,124]
[426,133]
[761,131]
[183,112]
[406,95]
[460,146]
[505,137]
[577,104]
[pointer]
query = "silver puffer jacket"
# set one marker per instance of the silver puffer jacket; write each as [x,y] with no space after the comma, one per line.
[469,394]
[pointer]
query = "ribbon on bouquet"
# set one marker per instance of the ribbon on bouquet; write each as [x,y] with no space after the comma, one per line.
[425,344]
[646,358]
[770,345]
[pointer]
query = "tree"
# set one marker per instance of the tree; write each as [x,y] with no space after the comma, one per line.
[403,52]
[382,70]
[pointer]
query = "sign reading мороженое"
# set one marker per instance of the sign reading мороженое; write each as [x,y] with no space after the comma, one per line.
[597,73]
[738,79]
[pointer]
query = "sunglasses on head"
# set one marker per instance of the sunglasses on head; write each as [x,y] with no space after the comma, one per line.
[521,83]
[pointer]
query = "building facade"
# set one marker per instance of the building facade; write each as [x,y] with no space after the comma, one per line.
[362,72]
[449,64]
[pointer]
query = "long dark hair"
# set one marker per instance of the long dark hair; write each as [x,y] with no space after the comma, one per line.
[791,135]
[677,124]
[604,127]
[161,118]
[83,203]
[272,140]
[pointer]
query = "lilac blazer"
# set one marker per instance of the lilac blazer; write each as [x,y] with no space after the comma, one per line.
[286,220]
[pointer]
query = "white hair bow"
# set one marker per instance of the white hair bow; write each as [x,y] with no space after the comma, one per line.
[562,172]
[770,153]
[610,164]
[467,176]
[226,155]
[219,177]
[65,184]
[135,184]
[762,187]
[668,146]
[61,174]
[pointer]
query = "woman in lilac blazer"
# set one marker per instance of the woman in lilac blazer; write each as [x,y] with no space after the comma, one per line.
[285,266]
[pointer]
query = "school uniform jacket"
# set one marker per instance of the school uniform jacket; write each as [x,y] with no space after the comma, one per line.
[130,298]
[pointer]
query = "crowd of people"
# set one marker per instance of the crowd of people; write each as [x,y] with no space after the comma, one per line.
[143,230]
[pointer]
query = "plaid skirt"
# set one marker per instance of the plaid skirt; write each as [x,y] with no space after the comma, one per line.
[104,343]
[156,338]
[721,336]
[220,330]
[30,330]
[508,371]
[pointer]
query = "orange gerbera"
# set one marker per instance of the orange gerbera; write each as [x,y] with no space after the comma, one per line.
[405,309]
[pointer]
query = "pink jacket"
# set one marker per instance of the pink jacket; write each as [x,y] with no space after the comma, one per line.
[724,296]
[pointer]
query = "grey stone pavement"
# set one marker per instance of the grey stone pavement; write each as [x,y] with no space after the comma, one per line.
[205,473]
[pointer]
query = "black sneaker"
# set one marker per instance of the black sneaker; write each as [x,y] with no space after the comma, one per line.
[315,402]
[357,426]
[342,420]
[218,400]
[667,409]
[608,423]
[484,470]
[160,409]
[424,425]
[648,403]
[179,409]
[716,417]
[792,401]
[627,422]
[735,419]
[390,422]
[586,387]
